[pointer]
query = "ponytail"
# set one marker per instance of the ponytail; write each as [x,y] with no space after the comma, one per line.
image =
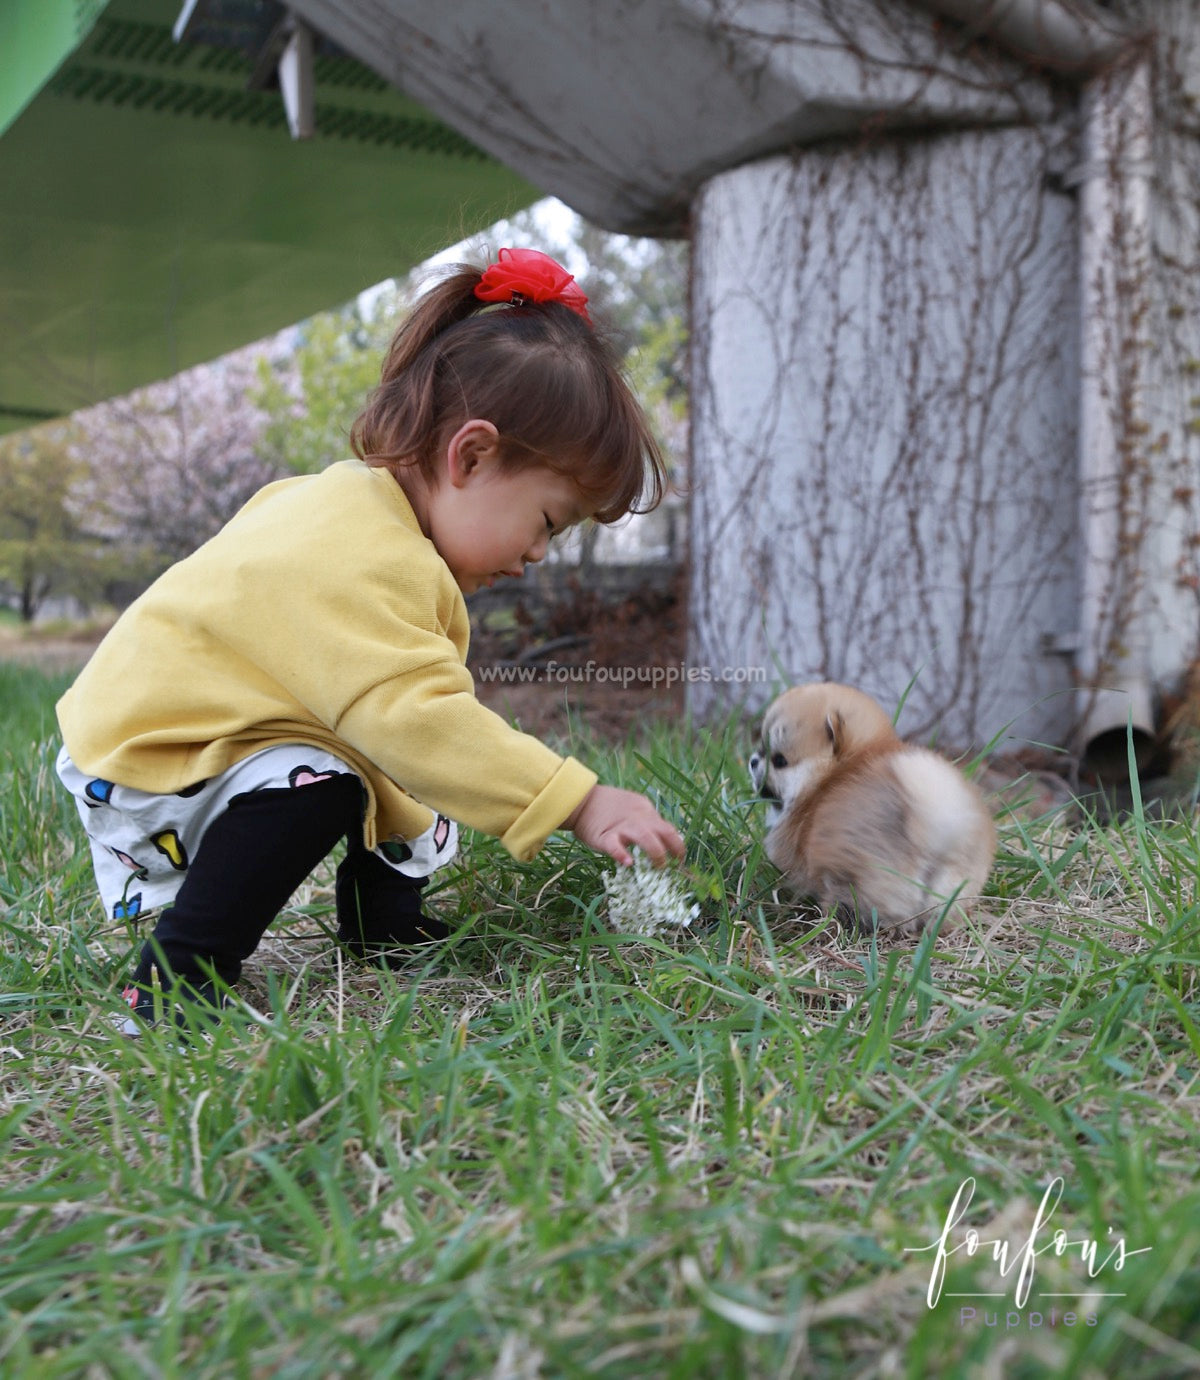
[398,424]
[451,300]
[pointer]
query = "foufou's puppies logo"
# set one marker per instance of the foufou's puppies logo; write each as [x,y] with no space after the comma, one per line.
[1017,1261]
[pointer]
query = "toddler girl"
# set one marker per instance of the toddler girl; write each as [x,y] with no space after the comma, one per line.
[301,677]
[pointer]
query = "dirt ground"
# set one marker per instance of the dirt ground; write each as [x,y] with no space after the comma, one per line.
[585,662]
[50,651]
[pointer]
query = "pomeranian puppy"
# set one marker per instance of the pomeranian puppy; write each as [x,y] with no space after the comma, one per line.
[885,834]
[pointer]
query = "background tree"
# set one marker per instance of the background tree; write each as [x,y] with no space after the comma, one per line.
[44,549]
[167,466]
[311,397]
[640,287]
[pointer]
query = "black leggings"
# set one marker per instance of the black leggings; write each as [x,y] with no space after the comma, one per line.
[252,858]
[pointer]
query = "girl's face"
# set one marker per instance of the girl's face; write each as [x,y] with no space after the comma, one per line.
[487,522]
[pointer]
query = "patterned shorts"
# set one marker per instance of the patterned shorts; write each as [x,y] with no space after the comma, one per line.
[141,842]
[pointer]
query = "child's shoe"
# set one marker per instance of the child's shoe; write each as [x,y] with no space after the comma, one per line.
[182,1005]
[379,911]
[392,952]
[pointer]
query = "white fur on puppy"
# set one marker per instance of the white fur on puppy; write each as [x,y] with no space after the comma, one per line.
[865,823]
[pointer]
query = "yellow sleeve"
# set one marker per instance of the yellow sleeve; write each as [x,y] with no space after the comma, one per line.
[429,734]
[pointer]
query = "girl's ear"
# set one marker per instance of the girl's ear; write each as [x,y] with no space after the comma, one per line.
[473,448]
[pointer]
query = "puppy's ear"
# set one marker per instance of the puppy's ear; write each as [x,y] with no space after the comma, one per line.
[835,731]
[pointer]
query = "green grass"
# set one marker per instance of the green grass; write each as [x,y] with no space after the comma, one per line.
[548,1150]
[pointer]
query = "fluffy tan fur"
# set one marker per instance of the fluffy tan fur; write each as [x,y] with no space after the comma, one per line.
[868,825]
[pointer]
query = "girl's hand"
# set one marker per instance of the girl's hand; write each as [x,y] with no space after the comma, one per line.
[612,821]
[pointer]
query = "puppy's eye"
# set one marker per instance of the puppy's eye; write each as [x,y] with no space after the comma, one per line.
[778,759]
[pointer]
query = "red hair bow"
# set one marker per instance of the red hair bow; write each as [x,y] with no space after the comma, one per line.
[528,275]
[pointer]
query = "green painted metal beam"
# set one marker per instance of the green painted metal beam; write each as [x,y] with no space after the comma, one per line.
[35,37]
[155,213]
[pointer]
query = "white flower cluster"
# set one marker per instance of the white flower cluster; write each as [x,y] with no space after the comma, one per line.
[643,899]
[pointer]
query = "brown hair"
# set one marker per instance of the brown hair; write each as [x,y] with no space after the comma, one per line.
[549,382]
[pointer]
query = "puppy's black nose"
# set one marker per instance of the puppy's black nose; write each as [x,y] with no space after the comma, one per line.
[758,770]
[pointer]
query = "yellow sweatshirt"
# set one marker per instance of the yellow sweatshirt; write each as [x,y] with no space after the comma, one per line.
[320,614]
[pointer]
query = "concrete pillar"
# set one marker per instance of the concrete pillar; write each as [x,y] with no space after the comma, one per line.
[885,395]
